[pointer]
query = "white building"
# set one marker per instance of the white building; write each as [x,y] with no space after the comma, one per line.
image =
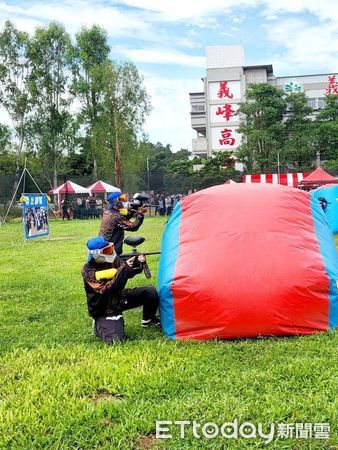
[224,87]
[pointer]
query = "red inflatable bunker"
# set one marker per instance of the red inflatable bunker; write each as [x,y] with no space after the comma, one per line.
[244,260]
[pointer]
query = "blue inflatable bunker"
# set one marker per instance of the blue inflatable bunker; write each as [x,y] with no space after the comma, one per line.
[330,193]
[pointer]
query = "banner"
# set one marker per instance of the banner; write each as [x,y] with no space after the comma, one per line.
[35,215]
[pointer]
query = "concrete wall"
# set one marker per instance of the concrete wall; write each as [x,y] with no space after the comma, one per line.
[255,76]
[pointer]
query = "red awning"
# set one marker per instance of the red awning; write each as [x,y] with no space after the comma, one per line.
[319,176]
[100,187]
[286,179]
[69,187]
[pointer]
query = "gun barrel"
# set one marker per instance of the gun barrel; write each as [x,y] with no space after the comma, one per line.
[130,255]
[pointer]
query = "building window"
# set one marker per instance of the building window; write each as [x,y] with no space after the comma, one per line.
[312,103]
[321,103]
[197,108]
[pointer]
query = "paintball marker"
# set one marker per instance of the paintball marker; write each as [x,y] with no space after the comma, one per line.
[134,241]
[139,200]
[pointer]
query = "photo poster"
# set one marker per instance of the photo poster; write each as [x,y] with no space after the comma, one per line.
[35,215]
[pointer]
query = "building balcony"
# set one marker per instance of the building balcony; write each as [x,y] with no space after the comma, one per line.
[197,105]
[198,122]
[199,146]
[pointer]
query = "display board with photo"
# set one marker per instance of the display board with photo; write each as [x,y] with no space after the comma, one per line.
[35,215]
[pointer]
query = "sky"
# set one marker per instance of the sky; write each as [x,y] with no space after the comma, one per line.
[167,40]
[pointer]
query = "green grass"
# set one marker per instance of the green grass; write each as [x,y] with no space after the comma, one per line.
[61,388]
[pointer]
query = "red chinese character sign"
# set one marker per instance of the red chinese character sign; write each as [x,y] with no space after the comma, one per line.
[224,97]
[225,138]
[225,90]
[332,85]
[226,111]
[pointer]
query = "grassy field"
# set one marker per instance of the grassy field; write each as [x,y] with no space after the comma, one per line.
[61,388]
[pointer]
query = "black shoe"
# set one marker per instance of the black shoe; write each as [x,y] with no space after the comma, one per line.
[154,321]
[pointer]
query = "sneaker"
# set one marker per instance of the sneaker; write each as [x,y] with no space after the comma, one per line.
[154,321]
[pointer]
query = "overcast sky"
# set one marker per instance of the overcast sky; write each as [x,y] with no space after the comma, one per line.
[167,40]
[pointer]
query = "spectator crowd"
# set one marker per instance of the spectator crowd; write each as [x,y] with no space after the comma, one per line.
[165,204]
[91,207]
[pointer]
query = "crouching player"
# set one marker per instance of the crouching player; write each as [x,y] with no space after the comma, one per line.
[105,277]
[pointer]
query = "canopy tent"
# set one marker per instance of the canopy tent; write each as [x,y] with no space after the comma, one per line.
[230,181]
[69,187]
[317,177]
[286,179]
[100,187]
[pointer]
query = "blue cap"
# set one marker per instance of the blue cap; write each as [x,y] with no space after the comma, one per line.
[96,243]
[112,198]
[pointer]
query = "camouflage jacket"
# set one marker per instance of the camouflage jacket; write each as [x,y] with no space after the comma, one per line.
[106,297]
[114,225]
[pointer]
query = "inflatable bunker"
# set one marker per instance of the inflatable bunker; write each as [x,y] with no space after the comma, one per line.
[329,192]
[246,260]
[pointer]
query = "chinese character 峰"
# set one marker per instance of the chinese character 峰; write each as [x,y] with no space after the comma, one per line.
[226,111]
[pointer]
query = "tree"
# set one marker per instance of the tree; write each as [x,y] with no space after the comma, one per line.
[159,156]
[90,54]
[216,170]
[5,138]
[14,76]
[126,106]
[298,150]
[49,52]
[263,127]
[326,129]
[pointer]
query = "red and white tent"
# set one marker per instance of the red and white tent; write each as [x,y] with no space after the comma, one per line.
[69,187]
[319,176]
[287,179]
[100,187]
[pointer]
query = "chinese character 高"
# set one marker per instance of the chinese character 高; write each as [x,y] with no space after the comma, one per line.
[226,137]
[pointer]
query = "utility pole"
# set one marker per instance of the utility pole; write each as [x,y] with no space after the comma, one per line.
[148,174]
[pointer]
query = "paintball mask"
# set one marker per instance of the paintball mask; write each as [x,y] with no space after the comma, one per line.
[122,210]
[105,254]
[101,250]
[120,206]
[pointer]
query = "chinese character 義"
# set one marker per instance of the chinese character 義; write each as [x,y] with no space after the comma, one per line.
[332,85]
[224,90]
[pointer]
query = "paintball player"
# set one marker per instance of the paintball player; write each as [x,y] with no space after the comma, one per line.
[105,277]
[323,203]
[116,220]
